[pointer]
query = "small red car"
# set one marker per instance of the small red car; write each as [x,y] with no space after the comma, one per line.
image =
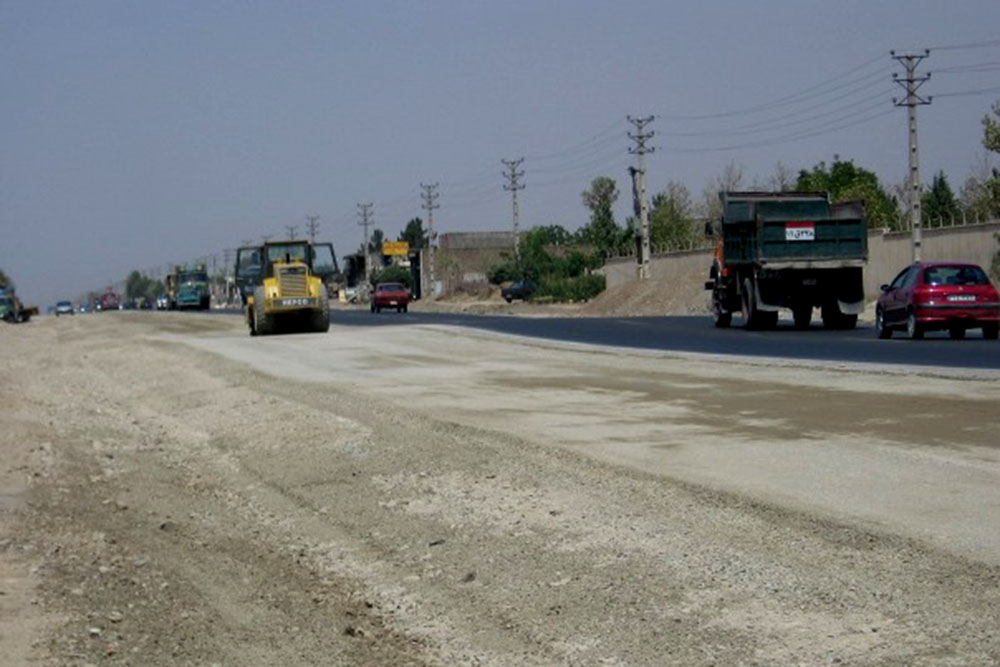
[390,295]
[931,296]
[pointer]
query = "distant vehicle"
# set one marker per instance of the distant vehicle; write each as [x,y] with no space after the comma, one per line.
[187,287]
[522,289]
[84,308]
[791,250]
[109,301]
[390,295]
[64,308]
[934,296]
[161,302]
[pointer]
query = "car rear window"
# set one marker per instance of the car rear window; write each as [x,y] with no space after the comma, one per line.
[955,275]
[390,287]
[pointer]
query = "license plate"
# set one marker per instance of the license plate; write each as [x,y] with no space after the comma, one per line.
[284,303]
[961,297]
[393,303]
[800,231]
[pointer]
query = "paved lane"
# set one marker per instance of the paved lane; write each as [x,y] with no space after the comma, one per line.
[696,334]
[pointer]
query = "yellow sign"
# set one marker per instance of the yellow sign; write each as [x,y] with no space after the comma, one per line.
[395,248]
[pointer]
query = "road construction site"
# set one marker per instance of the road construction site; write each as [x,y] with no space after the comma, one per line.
[173,491]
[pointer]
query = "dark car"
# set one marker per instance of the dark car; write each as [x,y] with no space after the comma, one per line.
[64,308]
[390,295]
[933,296]
[522,289]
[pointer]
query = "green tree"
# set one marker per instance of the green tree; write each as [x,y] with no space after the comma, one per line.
[991,130]
[414,234]
[670,216]
[938,202]
[553,235]
[991,141]
[394,274]
[602,232]
[4,280]
[845,181]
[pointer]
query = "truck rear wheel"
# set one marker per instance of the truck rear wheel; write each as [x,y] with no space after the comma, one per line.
[722,318]
[754,317]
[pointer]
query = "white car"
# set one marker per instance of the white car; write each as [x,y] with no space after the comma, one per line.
[64,308]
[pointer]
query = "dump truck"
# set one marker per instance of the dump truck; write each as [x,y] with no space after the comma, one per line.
[187,287]
[11,308]
[285,286]
[792,250]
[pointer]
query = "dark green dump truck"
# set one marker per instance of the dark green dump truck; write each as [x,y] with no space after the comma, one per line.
[792,250]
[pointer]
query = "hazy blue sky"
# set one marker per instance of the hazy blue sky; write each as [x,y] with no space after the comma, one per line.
[134,134]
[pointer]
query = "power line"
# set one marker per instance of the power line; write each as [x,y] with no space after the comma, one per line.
[968,45]
[779,101]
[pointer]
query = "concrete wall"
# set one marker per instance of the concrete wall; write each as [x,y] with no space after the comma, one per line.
[888,254]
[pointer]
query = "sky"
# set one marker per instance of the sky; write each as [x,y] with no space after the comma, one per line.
[136,134]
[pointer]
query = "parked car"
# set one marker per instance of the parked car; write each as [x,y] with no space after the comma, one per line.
[933,296]
[64,308]
[390,295]
[522,289]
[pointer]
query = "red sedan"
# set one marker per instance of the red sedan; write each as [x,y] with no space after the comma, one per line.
[390,295]
[933,296]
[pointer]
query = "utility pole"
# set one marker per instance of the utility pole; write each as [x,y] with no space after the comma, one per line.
[365,211]
[429,195]
[910,83]
[292,231]
[640,149]
[513,186]
[313,226]
[266,237]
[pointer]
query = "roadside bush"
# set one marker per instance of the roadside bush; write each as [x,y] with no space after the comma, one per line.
[577,288]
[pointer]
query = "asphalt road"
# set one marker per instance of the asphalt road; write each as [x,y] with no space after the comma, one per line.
[696,334]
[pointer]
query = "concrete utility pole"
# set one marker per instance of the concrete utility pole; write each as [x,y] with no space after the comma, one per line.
[429,195]
[365,211]
[513,186]
[640,137]
[910,84]
[292,231]
[312,225]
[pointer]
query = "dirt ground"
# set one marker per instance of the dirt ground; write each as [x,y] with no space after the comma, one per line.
[174,492]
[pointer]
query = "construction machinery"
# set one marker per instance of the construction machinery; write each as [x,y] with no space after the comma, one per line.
[284,286]
[791,250]
[187,287]
[11,308]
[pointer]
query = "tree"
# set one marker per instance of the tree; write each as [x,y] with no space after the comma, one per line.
[731,179]
[4,280]
[844,181]
[555,235]
[375,241]
[670,216]
[991,141]
[602,231]
[394,274]
[991,130]
[414,234]
[938,202]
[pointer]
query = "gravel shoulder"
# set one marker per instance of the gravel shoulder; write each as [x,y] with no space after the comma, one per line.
[175,492]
